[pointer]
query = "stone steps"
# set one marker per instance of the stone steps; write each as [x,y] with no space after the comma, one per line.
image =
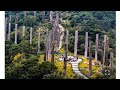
[75,68]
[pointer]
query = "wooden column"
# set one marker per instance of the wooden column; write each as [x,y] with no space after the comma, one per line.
[67,34]
[34,13]
[51,16]
[16,26]
[104,52]
[39,41]
[90,59]
[49,44]
[46,50]
[9,28]
[52,53]
[111,60]
[23,31]
[24,24]
[43,16]
[57,18]
[66,51]
[96,50]
[31,35]
[86,45]
[6,21]
[76,44]
[53,45]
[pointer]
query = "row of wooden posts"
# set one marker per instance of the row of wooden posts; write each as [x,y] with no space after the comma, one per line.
[88,49]
[50,50]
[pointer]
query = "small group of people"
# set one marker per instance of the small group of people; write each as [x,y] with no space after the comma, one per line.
[70,58]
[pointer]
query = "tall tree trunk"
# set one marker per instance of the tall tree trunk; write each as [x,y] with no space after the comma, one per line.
[90,59]
[86,44]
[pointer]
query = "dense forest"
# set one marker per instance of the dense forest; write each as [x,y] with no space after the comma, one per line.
[23,61]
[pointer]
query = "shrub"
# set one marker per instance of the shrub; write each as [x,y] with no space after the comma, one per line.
[29,69]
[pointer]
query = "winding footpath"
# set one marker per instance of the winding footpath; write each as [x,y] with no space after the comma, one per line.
[75,68]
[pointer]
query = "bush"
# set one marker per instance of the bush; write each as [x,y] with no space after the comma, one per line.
[29,69]
[54,75]
[78,77]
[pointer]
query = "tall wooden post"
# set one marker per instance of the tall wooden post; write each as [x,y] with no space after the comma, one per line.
[76,44]
[111,60]
[90,59]
[96,50]
[107,51]
[31,35]
[43,16]
[52,51]
[9,28]
[57,18]
[46,50]
[86,45]
[34,13]
[6,21]
[39,41]
[24,24]
[52,54]
[104,52]
[51,16]
[23,31]
[16,33]
[16,26]
[66,51]
[49,44]
[67,34]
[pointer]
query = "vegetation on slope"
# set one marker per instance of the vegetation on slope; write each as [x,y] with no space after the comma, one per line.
[22,60]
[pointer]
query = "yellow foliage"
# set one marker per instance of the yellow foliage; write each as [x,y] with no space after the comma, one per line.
[18,57]
[84,67]
[62,50]
[60,65]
